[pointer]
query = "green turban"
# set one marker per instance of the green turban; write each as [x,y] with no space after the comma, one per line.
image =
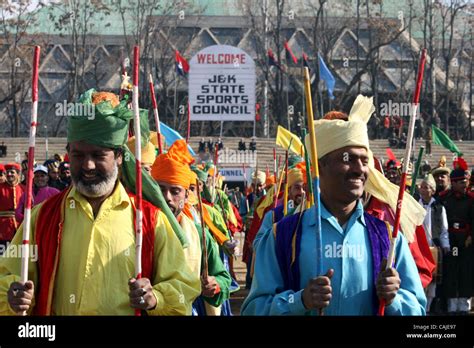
[100,124]
[293,160]
[201,174]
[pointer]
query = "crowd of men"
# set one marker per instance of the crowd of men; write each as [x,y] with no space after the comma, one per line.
[83,226]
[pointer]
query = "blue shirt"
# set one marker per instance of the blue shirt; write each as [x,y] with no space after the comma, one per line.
[347,251]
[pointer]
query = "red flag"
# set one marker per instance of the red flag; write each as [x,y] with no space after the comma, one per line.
[272,60]
[289,54]
[305,61]
[182,66]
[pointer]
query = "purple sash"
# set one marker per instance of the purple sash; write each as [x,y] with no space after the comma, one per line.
[285,232]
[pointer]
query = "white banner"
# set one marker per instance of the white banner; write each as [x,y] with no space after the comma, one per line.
[236,174]
[222,85]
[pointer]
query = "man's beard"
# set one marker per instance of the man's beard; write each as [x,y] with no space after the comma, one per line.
[102,186]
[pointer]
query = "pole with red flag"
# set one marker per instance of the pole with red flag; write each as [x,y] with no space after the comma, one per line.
[138,169]
[29,176]
[155,114]
[411,129]
[188,134]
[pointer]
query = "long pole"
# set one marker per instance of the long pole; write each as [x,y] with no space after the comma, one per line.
[155,114]
[280,182]
[245,187]
[310,196]
[266,132]
[176,81]
[314,170]
[288,100]
[417,170]
[138,169]
[46,142]
[411,128]
[285,182]
[188,122]
[275,198]
[204,245]
[29,176]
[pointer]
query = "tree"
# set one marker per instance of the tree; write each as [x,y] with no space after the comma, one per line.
[448,16]
[15,18]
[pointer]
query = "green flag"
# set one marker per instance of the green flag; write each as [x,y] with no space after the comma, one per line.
[441,138]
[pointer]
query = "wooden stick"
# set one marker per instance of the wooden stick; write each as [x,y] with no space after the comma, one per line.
[155,113]
[285,195]
[417,170]
[29,175]
[205,267]
[314,174]
[138,169]
[411,129]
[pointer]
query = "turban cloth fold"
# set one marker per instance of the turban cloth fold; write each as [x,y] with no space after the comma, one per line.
[148,151]
[99,124]
[173,166]
[332,135]
[260,176]
[297,174]
[430,181]
[14,166]
[270,180]
[201,174]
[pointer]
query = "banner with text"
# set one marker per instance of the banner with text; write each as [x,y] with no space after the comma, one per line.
[222,85]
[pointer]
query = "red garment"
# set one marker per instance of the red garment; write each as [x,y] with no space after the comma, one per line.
[9,200]
[48,239]
[240,223]
[419,248]
[253,230]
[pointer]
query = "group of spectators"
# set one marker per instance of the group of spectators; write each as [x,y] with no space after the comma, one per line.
[49,178]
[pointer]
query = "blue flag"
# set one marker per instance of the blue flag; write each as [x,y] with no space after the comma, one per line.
[171,136]
[326,76]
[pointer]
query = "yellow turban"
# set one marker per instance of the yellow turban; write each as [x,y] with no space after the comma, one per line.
[192,199]
[173,166]
[335,134]
[296,175]
[149,151]
[192,178]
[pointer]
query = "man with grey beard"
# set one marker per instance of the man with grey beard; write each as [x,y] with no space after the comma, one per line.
[86,237]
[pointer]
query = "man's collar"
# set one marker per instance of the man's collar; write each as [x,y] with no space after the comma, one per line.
[326,214]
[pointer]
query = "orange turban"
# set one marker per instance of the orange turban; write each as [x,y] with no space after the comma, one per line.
[173,166]
[270,180]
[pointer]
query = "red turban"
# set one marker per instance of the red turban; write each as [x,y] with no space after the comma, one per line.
[14,166]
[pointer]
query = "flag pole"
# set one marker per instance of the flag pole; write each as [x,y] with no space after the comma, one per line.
[285,182]
[155,113]
[205,271]
[417,170]
[188,133]
[138,169]
[29,176]
[314,173]
[411,128]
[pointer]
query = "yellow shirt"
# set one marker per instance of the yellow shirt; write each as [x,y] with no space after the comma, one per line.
[97,258]
[193,253]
